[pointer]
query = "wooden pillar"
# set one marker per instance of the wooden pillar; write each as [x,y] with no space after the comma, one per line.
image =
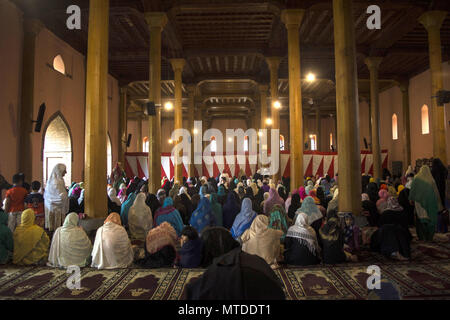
[432,21]
[156,22]
[404,87]
[263,114]
[274,63]
[95,201]
[191,115]
[177,66]
[373,64]
[317,128]
[292,18]
[122,125]
[349,157]
[139,141]
[31,28]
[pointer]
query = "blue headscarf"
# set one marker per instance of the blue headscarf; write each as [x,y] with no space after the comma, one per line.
[126,207]
[168,213]
[244,219]
[310,208]
[202,217]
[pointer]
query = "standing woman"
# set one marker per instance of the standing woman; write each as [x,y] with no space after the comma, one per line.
[425,195]
[56,201]
[140,219]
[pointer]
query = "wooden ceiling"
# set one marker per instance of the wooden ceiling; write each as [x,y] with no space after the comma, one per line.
[226,41]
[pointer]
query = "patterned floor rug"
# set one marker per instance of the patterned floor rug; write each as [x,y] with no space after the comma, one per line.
[426,276]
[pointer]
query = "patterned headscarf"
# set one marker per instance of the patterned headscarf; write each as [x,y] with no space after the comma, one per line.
[304,233]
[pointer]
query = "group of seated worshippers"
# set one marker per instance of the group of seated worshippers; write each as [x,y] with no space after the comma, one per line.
[192,223]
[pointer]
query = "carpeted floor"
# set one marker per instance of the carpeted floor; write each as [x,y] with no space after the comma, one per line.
[426,276]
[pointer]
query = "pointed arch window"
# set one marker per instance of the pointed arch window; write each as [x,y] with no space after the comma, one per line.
[394,127]
[425,120]
[145,144]
[58,64]
[281,142]
[213,144]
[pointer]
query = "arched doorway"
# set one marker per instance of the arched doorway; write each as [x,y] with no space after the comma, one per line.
[57,148]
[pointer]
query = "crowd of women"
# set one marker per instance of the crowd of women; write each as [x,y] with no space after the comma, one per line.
[189,223]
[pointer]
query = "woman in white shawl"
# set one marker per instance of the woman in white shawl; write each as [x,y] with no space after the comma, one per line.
[56,200]
[70,245]
[112,194]
[140,219]
[112,248]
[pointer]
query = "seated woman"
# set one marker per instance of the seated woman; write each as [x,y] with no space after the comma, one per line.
[30,241]
[295,204]
[168,213]
[274,198]
[351,234]
[393,241]
[160,246]
[126,207]
[301,246]
[230,210]
[263,241]
[70,245]
[244,219]
[216,209]
[140,218]
[314,214]
[203,216]
[331,237]
[278,220]
[112,248]
[371,212]
[6,239]
[190,254]
[216,242]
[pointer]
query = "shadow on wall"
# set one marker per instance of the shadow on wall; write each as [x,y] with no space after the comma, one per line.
[12,119]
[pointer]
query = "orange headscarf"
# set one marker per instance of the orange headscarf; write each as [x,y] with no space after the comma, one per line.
[113,217]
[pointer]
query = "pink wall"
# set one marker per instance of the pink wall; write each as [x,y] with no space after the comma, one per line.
[10,83]
[59,92]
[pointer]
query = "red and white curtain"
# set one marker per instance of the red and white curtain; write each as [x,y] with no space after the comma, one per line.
[314,163]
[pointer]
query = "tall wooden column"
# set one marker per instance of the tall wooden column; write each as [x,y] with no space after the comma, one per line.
[177,66]
[156,22]
[95,204]
[31,28]
[347,108]
[139,140]
[122,125]
[373,64]
[404,87]
[191,114]
[317,128]
[263,114]
[432,21]
[292,18]
[274,63]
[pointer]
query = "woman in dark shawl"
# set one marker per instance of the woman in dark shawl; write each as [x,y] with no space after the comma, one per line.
[372,191]
[331,237]
[393,241]
[249,194]
[231,209]
[195,200]
[221,195]
[295,204]
[282,193]
[216,242]
[187,203]
[320,194]
[178,204]
[258,199]
[403,200]
[440,173]
[373,217]
[153,203]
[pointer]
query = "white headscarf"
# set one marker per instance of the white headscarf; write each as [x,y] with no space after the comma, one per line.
[183,189]
[112,248]
[304,233]
[140,218]
[55,194]
[70,244]
[112,194]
